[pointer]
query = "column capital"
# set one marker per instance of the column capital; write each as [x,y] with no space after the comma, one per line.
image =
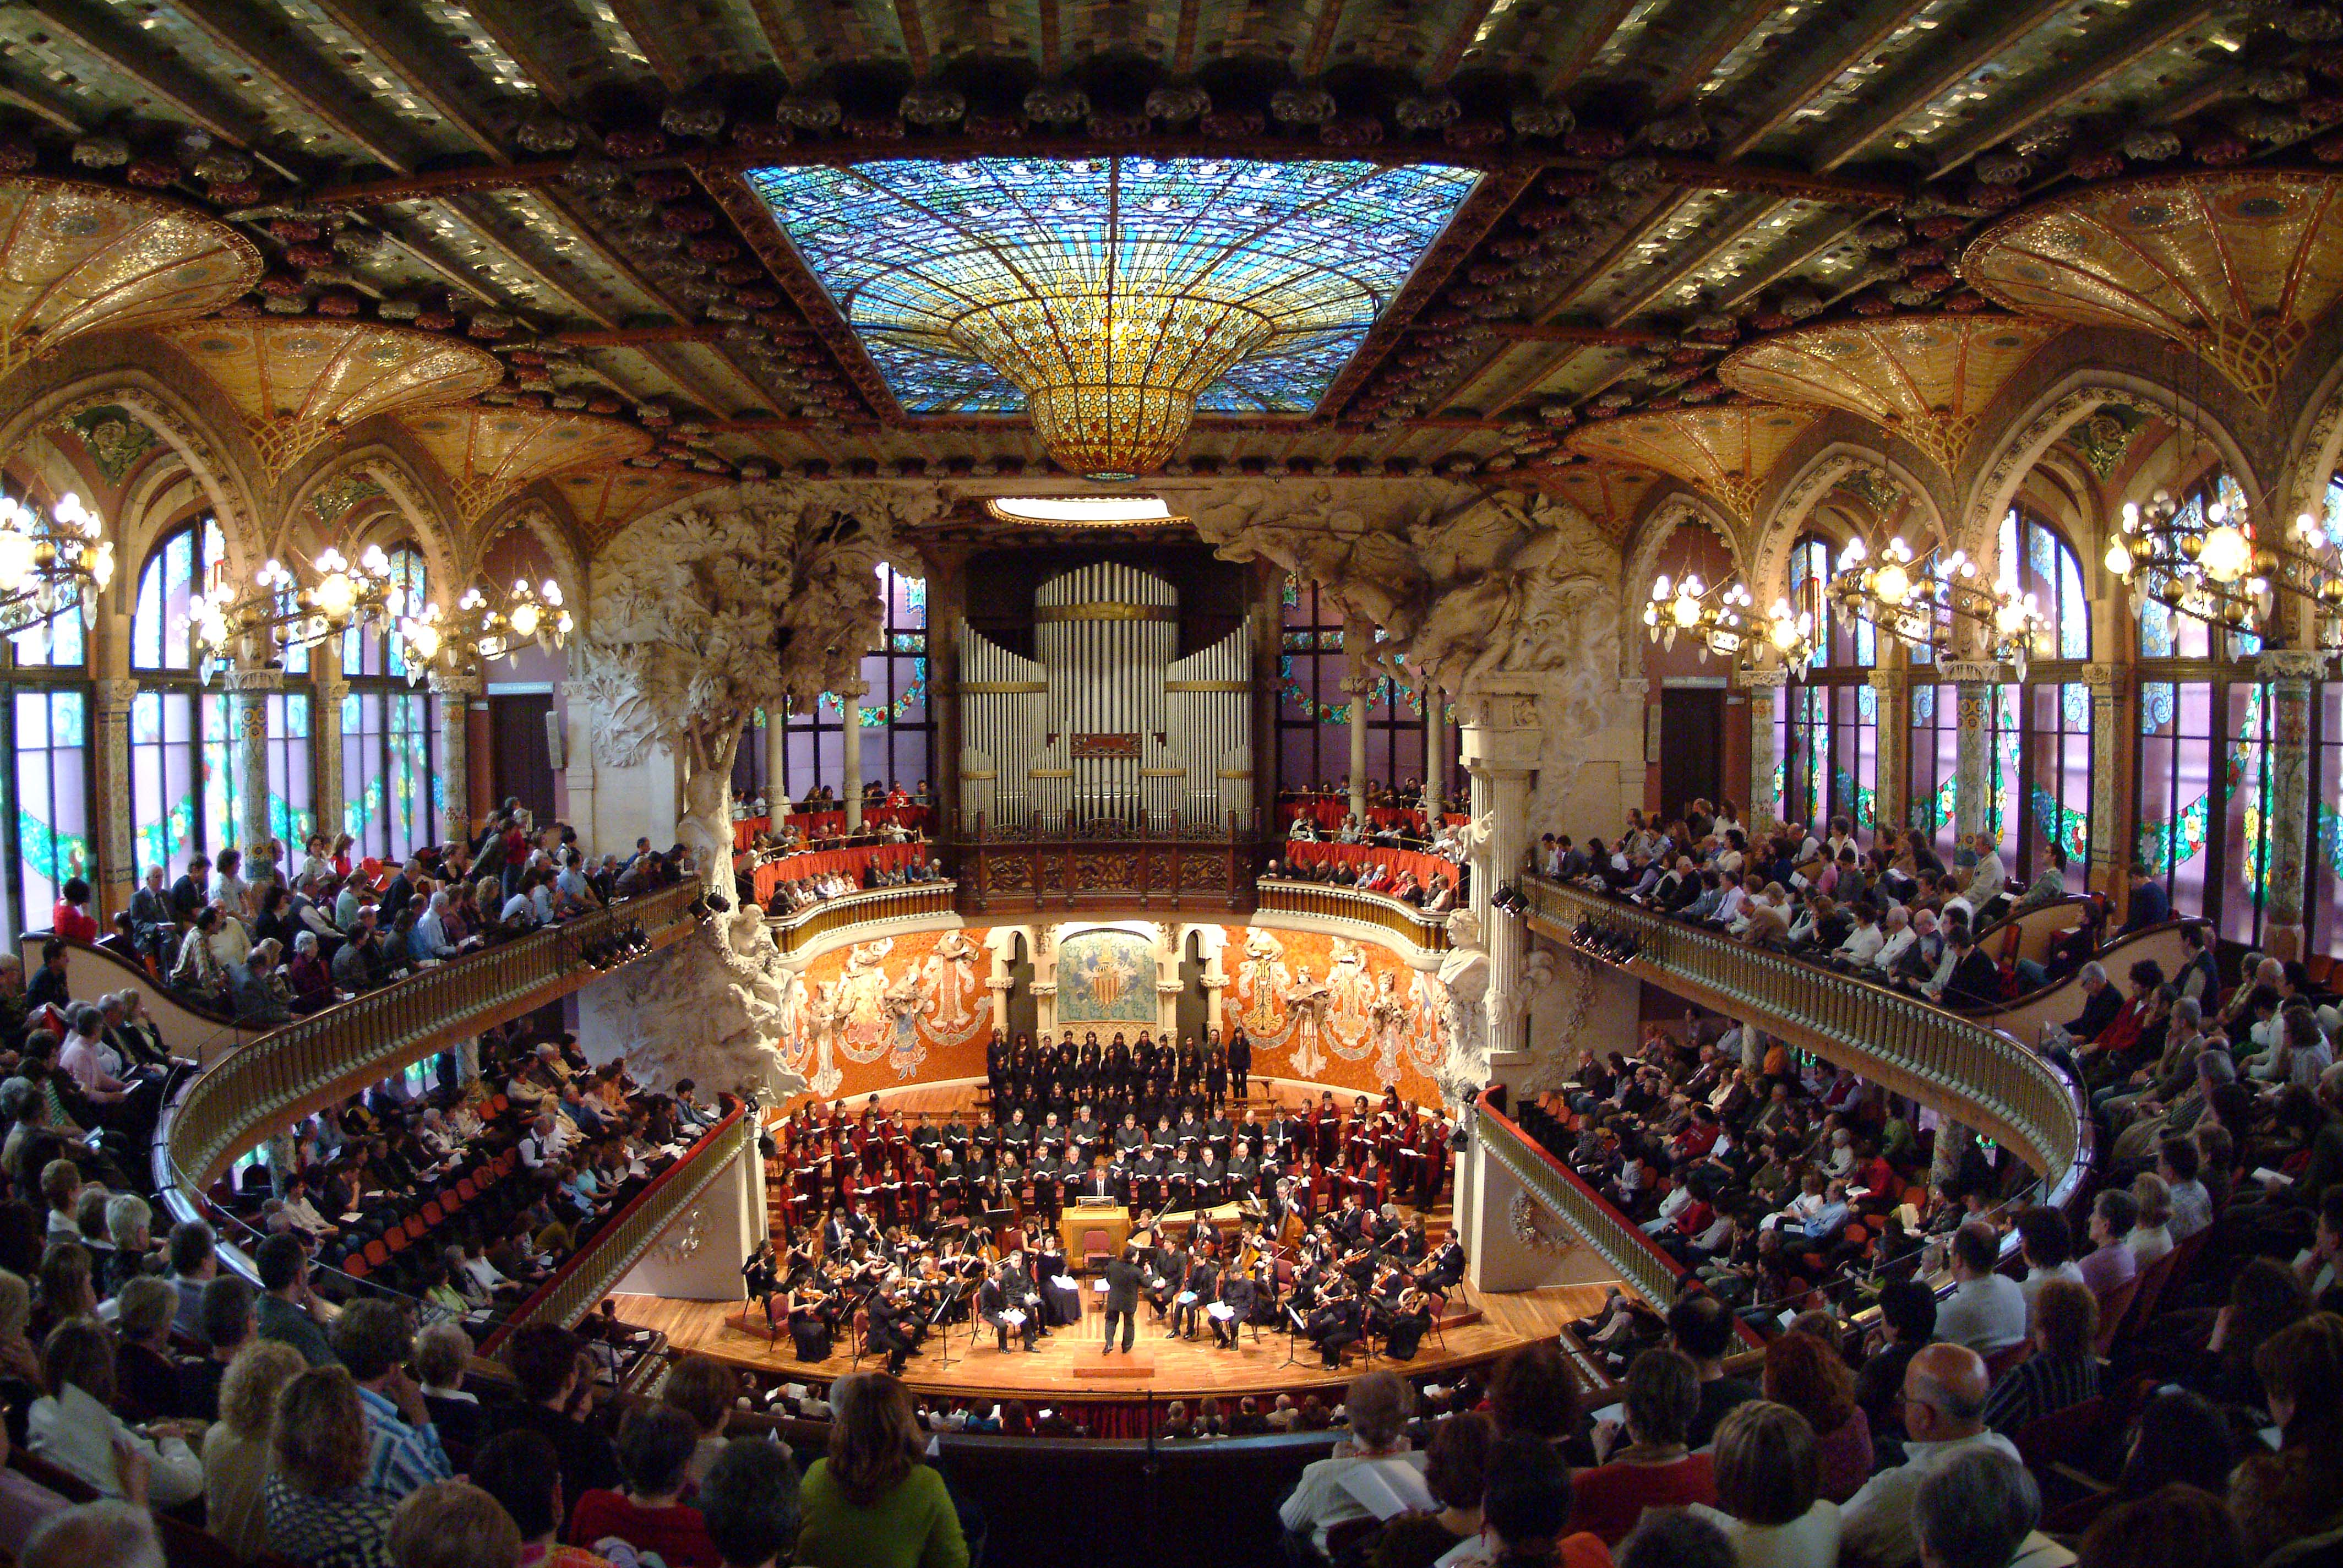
[1896,679]
[2291,664]
[853,691]
[2107,680]
[1357,685]
[452,683]
[114,696]
[1766,677]
[240,679]
[1975,672]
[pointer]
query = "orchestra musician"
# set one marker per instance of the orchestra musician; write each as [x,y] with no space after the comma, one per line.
[998,1303]
[761,1279]
[1237,1294]
[812,1318]
[1405,1323]
[889,1329]
[1335,1326]
[1200,1288]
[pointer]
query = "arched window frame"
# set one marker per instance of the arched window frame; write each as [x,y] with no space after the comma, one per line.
[46,830]
[899,731]
[392,794]
[1828,727]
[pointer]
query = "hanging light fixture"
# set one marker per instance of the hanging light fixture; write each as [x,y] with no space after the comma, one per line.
[50,562]
[2215,565]
[1722,620]
[1918,598]
[282,614]
[482,631]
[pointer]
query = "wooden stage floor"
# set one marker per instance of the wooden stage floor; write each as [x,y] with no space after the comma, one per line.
[1066,1365]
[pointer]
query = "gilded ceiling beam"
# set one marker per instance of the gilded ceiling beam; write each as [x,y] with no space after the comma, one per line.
[306,79]
[428,78]
[172,87]
[1935,72]
[1865,32]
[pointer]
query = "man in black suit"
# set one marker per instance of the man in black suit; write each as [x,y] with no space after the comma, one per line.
[1099,1182]
[886,1331]
[1121,1298]
[1237,1295]
[1168,1280]
[1202,1286]
[994,1304]
[1445,1267]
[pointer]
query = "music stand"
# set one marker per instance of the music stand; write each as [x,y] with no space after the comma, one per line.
[942,1330]
[1294,1336]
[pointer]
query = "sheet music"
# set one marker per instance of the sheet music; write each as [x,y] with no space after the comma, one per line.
[1388,1488]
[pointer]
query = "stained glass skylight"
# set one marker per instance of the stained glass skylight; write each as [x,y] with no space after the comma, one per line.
[926,259]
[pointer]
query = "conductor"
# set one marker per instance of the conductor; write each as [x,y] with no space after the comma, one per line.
[1121,1298]
[995,1305]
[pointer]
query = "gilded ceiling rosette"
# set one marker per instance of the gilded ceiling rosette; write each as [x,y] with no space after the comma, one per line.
[489,454]
[1924,377]
[1726,452]
[296,382]
[76,258]
[2237,263]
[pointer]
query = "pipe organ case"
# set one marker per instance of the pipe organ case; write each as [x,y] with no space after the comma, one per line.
[1105,724]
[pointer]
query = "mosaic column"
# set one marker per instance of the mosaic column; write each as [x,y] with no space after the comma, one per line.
[325,782]
[849,743]
[1892,697]
[2114,827]
[1972,740]
[116,872]
[455,693]
[2293,674]
[1953,1140]
[1764,690]
[248,694]
[1502,740]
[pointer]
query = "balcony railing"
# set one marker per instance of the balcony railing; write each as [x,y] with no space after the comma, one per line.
[870,907]
[259,1088]
[1332,901]
[1639,1261]
[1970,1073]
[610,1255]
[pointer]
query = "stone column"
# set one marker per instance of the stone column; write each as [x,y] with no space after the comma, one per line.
[1764,690]
[455,693]
[1893,802]
[1502,740]
[1973,738]
[1953,1141]
[1358,681]
[849,744]
[2115,805]
[2294,675]
[116,872]
[776,760]
[325,780]
[249,693]
[1435,756]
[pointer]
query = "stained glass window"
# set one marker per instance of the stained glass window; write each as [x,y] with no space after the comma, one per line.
[2247,784]
[1935,762]
[390,799]
[2325,905]
[2034,558]
[1830,733]
[898,727]
[1313,711]
[52,798]
[181,565]
[917,253]
[2175,800]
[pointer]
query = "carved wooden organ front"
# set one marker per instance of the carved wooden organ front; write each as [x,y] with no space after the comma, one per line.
[1105,725]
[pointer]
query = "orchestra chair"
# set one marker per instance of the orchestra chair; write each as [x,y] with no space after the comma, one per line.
[861,1334]
[1439,1301]
[1095,1252]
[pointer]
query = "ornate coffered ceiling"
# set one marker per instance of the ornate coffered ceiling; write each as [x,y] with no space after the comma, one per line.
[565,185]
[1727,452]
[488,454]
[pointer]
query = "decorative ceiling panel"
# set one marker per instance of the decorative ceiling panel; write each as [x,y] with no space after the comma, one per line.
[295,381]
[1927,378]
[1727,452]
[2237,263]
[913,251]
[487,454]
[78,258]
[607,499]
[1605,492]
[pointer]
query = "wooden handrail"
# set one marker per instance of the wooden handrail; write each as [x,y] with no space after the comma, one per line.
[1331,900]
[315,1061]
[592,1271]
[1978,1075]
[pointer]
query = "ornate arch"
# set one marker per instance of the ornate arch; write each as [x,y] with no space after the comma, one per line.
[2054,410]
[1798,496]
[1664,512]
[533,516]
[412,507]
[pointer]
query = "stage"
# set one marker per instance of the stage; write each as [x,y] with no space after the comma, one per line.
[1068,1366]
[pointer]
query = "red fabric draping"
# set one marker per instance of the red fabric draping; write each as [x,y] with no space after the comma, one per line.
[1308,853]
[822,862]
[811,824]
[1328,812]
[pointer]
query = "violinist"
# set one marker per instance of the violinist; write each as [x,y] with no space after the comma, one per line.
[889,1329]
[813,1318]
[1333,1326]
[1405,1324]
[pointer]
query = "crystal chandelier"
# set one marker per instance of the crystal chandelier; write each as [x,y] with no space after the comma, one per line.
[1723,621]
[481,632]
[49,563]
[282,614]
[1111,378]
[1918,599]
[2213,565]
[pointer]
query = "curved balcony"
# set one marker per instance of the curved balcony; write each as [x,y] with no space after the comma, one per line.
[1961,1067]
[870,907]
[1391,917]
[594,1271]
[247,1093]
